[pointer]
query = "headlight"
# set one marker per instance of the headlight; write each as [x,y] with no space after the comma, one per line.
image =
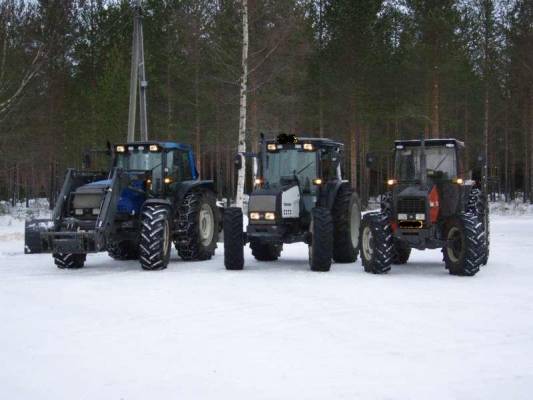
[420,216]
[270,216]
[255,216]
[391,182]
[96,211]
[120,149]
[78,211]
[402,216]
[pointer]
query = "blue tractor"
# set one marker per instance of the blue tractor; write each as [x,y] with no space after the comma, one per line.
[151,197]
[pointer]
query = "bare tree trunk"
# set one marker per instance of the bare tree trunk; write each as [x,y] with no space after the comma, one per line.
[531,142]
[197,97]
[435,111]
[485,171]
[242,112]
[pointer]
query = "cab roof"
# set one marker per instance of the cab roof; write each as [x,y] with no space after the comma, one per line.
[167,145]
[430,142]
[317,142]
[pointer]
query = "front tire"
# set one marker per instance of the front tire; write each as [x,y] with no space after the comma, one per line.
[265,251]
[233,239]
[155,237]
[466,245]
[321,247]
[69,261]
[376,243]
[401,252]
[477,205]
[197,226]
[125,250]
[346,215]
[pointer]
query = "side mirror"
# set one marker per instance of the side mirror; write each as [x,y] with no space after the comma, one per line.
[237,161]
[371,160]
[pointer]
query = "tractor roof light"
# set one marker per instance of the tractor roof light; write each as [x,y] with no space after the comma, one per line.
[120,149]
[167,180]
[308,147]
[317,181]
[154,147]
[258,181]
[271,147]
[392,182]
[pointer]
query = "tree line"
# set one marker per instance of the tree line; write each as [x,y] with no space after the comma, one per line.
[364,72]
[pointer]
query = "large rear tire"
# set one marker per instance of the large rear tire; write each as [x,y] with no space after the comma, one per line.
[69,261]
[346,215]
[265,251]
[376,243]
[155,237]
[466,245]
[321,247]
[233,239]
[197,232]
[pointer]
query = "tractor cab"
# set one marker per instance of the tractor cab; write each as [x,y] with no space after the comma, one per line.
[162,165]
[443,160]
[296,173]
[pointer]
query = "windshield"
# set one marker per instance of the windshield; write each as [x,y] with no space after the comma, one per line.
[441,163]
[286,164]
[139,160]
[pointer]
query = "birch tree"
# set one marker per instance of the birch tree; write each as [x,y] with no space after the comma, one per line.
[242,112]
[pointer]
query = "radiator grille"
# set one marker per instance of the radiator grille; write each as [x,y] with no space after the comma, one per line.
[412,206]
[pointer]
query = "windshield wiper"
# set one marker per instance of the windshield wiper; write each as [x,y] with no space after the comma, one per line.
[304,168]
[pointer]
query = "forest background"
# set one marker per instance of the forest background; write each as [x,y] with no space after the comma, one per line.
[364,72]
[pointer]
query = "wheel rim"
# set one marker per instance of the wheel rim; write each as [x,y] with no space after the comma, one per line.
[166,241]
[367,243]
[355,221]
[456,244]
[206,224]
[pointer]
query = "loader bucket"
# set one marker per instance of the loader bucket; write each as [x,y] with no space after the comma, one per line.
[32,234]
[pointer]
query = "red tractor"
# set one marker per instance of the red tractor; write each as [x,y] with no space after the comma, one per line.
[431,204]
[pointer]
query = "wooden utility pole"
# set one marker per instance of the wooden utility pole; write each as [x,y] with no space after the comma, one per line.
[137,78]
[239,200]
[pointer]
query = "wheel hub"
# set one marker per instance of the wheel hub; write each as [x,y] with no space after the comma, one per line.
[367,243]
[206,224]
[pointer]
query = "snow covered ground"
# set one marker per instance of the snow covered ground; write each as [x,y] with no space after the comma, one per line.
[273,331]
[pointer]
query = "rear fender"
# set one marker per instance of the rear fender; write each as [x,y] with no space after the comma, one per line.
[187,186]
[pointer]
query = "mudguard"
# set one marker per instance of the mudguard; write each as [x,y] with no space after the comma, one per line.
[186,186]
[329,193]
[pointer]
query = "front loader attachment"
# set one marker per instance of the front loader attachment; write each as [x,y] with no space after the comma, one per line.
[64,233]
[32,235]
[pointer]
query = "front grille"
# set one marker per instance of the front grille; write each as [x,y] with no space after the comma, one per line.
[412,206]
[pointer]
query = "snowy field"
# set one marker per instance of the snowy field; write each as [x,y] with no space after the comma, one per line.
[273,331]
